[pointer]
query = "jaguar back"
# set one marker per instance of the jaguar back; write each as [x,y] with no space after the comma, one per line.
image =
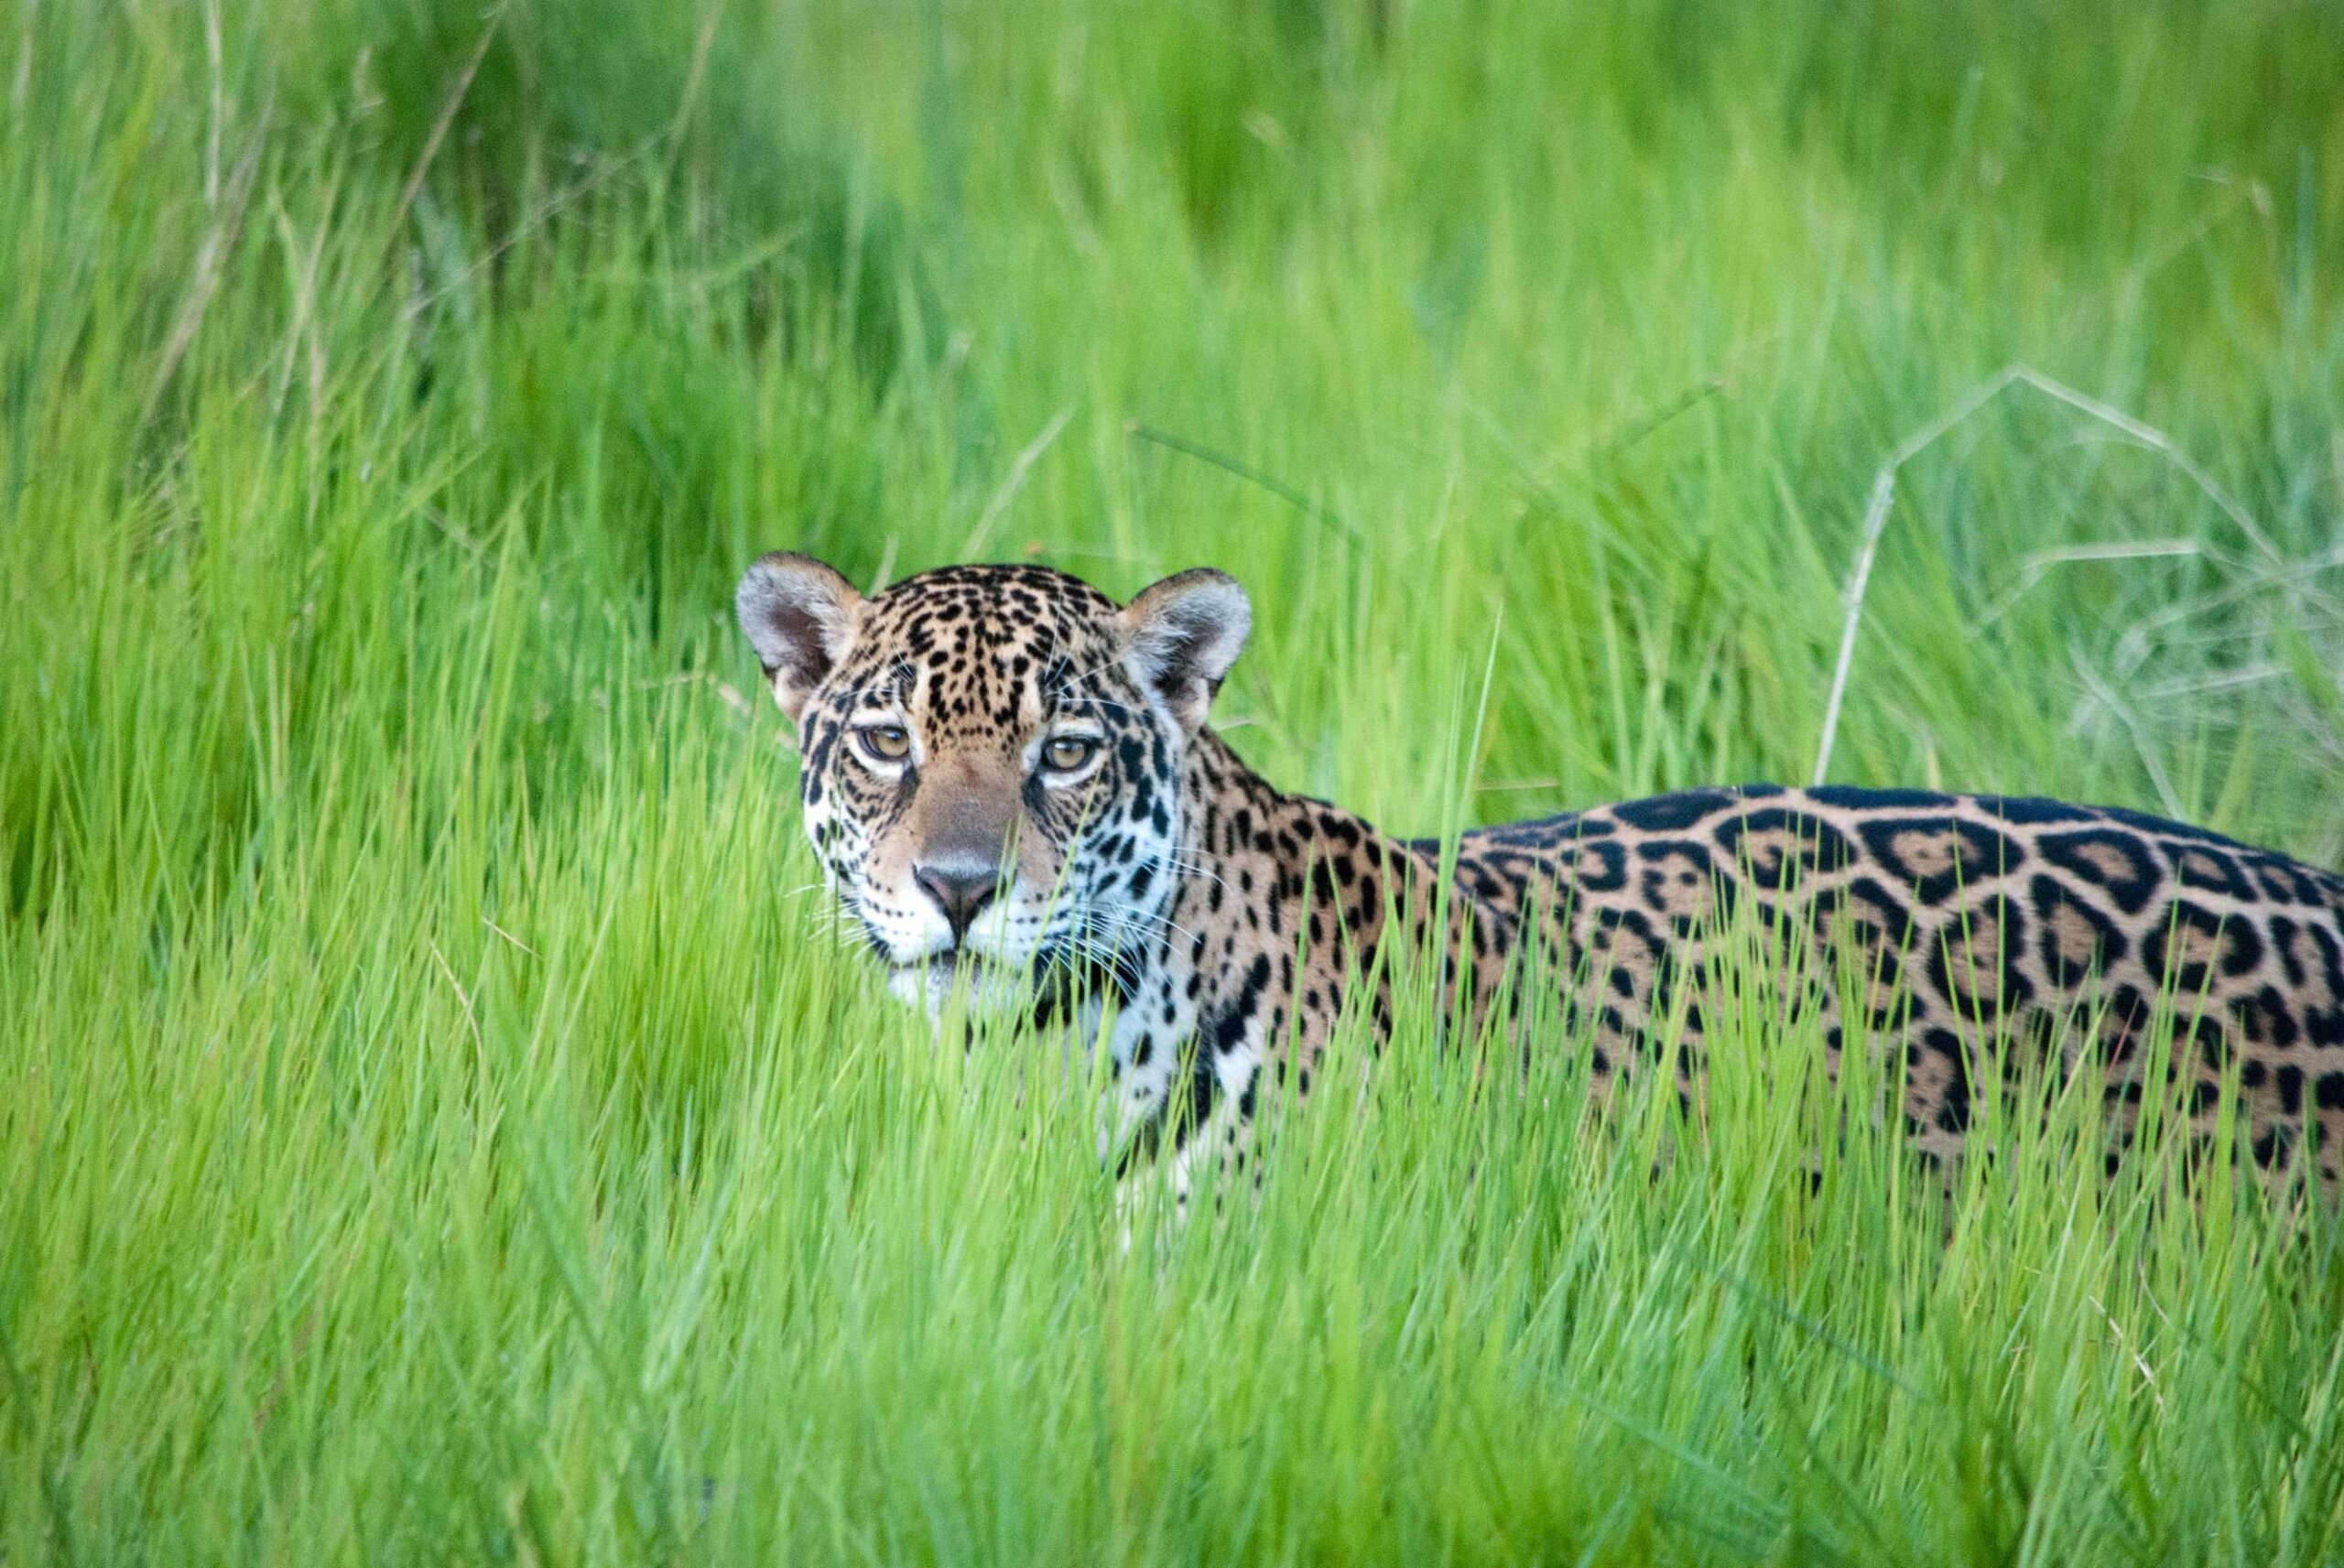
[1971,917]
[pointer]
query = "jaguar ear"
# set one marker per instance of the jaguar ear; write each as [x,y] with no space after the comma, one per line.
[800,616]
[1185,633]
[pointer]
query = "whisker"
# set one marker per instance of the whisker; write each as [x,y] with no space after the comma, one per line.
[1190,869]
[1144,923]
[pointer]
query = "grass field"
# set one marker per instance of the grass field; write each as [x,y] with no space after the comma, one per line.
[438,1124]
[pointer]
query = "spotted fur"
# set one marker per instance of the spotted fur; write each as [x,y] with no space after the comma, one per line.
[1216,927]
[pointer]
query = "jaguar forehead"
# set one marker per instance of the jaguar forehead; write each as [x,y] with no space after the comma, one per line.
[982,651]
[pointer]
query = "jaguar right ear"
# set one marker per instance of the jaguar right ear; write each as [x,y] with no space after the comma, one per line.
[800,616]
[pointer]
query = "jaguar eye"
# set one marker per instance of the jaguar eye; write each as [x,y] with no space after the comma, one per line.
[1069,753]
[885,743]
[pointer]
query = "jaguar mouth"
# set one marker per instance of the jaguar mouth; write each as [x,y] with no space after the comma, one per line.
[990,985]
[1046,986]
[956,964]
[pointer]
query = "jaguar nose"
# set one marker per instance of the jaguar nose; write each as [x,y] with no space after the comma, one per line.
[959,890]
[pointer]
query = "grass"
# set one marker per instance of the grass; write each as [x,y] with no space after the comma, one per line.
[439,1126]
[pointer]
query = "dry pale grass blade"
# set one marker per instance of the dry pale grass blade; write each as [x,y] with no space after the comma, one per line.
[2038,566]
[1884,495]
[2098,690]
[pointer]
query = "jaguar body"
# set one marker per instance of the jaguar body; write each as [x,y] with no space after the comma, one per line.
[1012,785]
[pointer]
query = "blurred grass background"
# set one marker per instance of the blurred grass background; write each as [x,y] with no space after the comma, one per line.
[439,1127]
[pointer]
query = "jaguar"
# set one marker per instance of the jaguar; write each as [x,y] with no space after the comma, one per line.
[1016,798]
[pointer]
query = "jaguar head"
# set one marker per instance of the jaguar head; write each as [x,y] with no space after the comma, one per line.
[991,758]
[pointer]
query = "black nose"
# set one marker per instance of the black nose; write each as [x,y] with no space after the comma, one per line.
[959,890]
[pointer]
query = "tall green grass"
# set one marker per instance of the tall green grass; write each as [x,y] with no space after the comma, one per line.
[440,1123]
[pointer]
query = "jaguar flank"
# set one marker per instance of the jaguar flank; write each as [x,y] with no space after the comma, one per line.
[1012,786]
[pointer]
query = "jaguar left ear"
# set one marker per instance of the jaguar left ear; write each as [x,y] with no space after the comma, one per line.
[1186,632]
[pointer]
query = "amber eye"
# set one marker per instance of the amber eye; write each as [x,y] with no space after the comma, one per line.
[1069,753]
[885,743]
